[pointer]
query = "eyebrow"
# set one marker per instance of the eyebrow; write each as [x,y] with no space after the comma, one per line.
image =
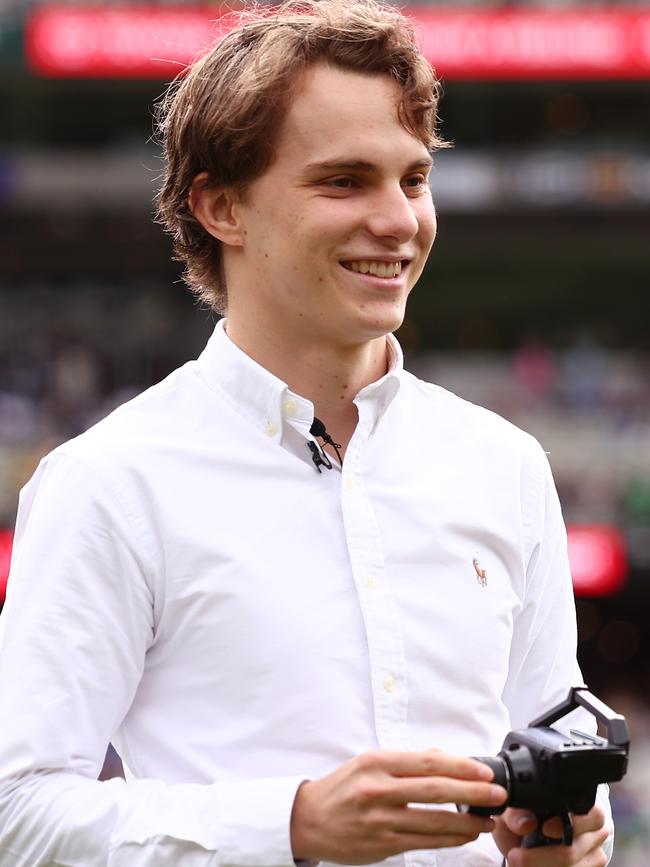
[362,165]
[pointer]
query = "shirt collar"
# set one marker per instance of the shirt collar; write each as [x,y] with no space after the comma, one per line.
[373,400]
[268,402]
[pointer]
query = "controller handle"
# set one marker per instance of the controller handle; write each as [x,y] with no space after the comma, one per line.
[537,838]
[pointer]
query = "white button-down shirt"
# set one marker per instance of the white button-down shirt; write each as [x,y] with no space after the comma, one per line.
[186,584]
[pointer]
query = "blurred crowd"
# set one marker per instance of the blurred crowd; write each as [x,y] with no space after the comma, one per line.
[629,798]
[69,355]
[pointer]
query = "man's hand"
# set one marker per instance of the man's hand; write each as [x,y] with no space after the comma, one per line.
[360,813]
[589,834]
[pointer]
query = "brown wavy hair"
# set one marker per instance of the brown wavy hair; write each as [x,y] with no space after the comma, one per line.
[223,115]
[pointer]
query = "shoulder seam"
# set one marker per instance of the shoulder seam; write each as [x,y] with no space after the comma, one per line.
[134,519]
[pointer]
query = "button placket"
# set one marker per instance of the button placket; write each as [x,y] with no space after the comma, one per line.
[385,645]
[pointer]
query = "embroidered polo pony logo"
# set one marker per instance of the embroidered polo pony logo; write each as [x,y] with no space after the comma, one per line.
[481,574]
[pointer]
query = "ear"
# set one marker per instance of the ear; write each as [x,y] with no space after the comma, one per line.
[216,210]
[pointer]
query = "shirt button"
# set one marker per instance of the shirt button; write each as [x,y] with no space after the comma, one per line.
[290,407]
[271,429]
[349,483]
[371,582]
[389,683]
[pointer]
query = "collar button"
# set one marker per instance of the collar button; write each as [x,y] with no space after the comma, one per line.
[290,407]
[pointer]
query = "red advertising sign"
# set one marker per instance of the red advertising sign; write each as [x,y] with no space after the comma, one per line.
[117,42]
[598,559]
[155,42]
[539,44]
[6,540]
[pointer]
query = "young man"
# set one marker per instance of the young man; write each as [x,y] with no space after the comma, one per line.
[292,653]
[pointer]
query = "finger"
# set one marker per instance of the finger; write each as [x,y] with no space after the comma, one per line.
[586,851]
[520,822]
[504,836]
[412,820]
[591,821]
[409,842]
[427,763]
[588,843]
[597,858]
[443,790]
[555,856]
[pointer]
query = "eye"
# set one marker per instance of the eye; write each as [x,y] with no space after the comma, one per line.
[341,182]
[416,182]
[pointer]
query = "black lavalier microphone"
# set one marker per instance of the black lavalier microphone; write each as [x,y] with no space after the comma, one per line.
[318,455]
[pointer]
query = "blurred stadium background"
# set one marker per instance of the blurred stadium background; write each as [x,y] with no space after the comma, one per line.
[535,302]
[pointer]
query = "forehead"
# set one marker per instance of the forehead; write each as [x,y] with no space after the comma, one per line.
[336,111]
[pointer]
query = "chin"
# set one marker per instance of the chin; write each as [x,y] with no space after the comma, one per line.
[386,321]
[379,327]
[362,322]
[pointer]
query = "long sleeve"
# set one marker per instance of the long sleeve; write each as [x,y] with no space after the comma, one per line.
[543,651]
[543,661]
[75,632]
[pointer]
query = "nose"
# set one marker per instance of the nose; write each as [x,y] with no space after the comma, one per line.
[392,214]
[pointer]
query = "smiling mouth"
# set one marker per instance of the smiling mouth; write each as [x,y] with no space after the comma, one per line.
[377,268]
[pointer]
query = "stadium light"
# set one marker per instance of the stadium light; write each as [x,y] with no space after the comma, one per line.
[598,559]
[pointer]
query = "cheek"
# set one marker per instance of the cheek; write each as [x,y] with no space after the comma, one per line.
[428,225]
[271,241]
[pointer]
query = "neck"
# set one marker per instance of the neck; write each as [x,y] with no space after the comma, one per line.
[328,375]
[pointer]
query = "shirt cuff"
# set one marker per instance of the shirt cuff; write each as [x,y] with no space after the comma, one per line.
[254,819]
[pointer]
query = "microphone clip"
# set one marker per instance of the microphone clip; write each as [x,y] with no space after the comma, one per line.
[318,456]
[318,429]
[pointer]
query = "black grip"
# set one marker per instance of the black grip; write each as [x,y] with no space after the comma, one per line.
[537,838]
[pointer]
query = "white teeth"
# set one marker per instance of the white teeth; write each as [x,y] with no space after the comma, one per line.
[378,269]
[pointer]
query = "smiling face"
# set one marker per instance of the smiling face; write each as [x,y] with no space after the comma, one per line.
[335,233]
